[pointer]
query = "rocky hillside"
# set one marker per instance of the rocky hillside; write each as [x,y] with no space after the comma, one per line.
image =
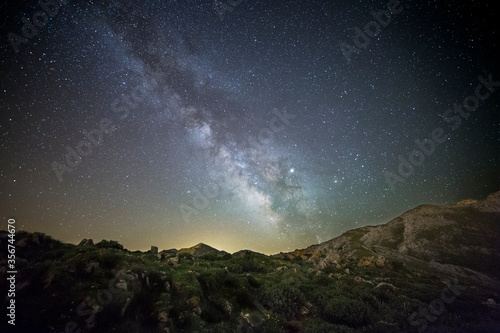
[462,238]
[432,269]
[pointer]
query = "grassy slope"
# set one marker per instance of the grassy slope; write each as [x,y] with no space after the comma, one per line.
[58,283]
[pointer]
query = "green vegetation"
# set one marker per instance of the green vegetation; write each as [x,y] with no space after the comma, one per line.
[116,290]
[105,244]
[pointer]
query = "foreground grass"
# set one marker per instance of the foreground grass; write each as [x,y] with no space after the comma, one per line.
[105,288]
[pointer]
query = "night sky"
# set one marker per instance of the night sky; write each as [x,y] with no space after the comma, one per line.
[242,124]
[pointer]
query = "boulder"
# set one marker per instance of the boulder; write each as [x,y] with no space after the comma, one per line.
[227,307]
[358,279]
[86,242]
[380,262]
[194,304]
[306,309]
[174,261]
[163,317]
[91,266]
[366,261]
[121,284]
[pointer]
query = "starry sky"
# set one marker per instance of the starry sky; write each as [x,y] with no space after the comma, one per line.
[243,124]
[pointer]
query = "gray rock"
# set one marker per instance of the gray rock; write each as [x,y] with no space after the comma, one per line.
[163,317]
[121,284]
[173,261]
[91,266]
[227,307]
[86,242]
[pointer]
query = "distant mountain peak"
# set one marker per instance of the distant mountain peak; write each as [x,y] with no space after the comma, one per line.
[201,249]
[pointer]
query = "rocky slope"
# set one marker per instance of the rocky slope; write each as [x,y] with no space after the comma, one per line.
[432,269]
[462,237]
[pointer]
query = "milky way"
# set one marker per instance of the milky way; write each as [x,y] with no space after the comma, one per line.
[242,124]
